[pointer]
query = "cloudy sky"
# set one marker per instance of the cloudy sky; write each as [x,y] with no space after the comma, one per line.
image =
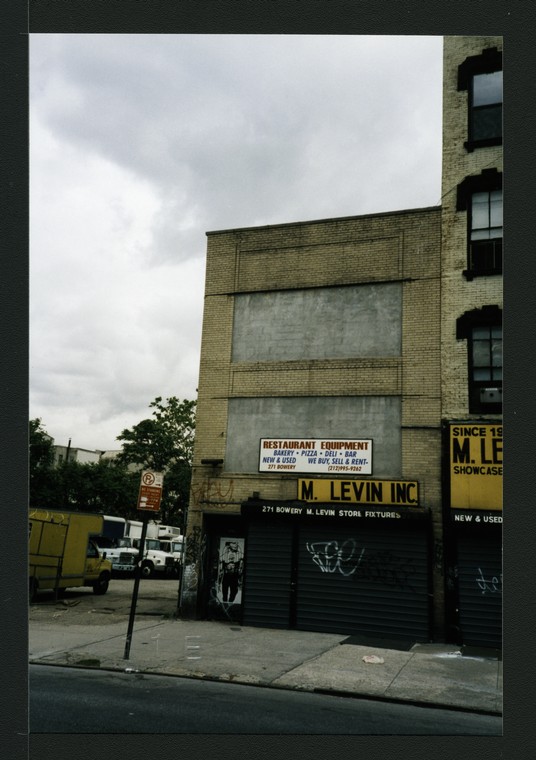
[141,144]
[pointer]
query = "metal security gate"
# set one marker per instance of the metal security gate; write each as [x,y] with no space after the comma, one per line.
[268,577]
[363,580]
[349,579]
[480,589]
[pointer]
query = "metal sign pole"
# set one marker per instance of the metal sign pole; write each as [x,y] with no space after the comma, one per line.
[137,576]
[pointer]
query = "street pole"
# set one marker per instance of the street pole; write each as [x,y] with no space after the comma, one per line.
[137,577]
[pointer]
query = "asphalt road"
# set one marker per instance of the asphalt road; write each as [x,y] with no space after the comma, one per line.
[72,700]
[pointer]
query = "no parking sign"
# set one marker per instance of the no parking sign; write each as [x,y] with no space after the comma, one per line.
[150,494]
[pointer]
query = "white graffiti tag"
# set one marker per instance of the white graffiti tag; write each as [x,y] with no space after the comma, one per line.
[330,557]
[492,585]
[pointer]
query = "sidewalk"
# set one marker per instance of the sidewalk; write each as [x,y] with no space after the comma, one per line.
[427,674]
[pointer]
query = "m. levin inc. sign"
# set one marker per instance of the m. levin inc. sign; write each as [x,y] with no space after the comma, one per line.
[400,493]
[316,455]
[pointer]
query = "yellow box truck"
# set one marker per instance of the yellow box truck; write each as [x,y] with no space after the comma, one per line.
[63,554]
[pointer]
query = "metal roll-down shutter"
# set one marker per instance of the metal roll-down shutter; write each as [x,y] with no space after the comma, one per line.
[480,589]
[267,584]
[364,580]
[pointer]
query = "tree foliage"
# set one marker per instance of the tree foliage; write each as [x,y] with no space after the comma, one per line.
[164,443]
[41,452]
[43,482]
[105,486]
[167,437]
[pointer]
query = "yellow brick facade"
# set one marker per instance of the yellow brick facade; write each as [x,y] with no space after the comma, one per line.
[399,247]
[459,295]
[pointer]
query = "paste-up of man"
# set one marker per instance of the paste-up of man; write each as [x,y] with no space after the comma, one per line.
[231,570]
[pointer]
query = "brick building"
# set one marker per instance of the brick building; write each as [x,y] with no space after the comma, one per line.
[318,489]
[471,336]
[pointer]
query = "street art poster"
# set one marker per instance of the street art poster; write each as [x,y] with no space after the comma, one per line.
[230,571]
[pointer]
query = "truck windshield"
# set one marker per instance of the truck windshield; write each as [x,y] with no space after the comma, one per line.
[104,542]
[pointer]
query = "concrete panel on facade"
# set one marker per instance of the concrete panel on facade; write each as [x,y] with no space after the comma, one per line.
[375,417]
[320,323]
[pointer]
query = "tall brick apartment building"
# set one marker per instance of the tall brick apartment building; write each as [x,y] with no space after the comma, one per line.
[320,494]
[471,336]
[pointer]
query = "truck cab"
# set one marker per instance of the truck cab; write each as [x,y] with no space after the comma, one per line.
[124,555]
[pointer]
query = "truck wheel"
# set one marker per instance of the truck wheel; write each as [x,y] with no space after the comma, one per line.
[101,586]
[147,569]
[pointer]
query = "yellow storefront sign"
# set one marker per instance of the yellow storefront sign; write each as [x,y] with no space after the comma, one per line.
[476,458]
[385,492]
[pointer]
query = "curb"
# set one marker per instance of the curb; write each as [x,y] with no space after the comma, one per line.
[282,687]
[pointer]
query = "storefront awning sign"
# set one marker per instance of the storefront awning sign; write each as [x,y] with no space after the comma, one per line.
[399,493]
[476,465]
[332,512]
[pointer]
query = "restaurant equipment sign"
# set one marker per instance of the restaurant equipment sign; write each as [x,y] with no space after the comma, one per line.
[316,455]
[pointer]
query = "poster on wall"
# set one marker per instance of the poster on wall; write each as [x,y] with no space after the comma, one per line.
[316,455]
[228,589]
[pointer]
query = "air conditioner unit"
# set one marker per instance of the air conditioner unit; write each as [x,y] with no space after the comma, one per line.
[491,395]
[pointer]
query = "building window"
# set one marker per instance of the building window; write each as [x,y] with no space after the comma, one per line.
[486,233]
[482,77]
[486,108]
[481,196]
[482,328]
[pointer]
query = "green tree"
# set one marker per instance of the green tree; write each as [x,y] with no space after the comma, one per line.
[105,486]
[164,443]
[41,453]
[43,478]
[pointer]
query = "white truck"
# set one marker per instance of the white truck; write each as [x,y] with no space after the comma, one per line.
[175,547]
[172,541]
[124,552]
[168,531]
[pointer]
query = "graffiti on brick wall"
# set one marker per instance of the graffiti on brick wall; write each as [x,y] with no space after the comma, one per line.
[213,490]
[194,554]
[193,545]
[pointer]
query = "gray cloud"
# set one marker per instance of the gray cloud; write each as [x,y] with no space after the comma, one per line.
[140,144]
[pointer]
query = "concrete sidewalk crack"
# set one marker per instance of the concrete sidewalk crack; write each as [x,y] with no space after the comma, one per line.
[95,641]
[399,672]
[304,662]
